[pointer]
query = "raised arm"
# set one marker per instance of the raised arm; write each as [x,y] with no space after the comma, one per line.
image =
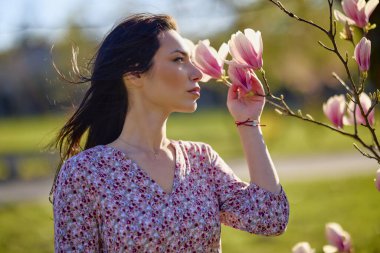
[261,169]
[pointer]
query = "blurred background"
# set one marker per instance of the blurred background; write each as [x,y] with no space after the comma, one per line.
[324,177]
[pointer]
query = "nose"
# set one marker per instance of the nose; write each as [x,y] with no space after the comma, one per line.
[196,74]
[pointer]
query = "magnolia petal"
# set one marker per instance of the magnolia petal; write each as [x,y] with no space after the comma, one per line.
[206,42]
[245,48]
[370,7]
[337,237]
[205,78]
[339,16]
[190,45]
[351,8]
[253,47]
[255,40]
[207,59]
[334,110]
[245,79]
[348,121]
[302,247]
[236,75]
[366,51]
[359,10]
[362,54]
[222,53]
[366,103]
[329,249]
[202,60]
[334,233]
[237,64]
[256,84]
[360,4]
[232,44]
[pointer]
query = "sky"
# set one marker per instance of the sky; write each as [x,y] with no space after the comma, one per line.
[48,18]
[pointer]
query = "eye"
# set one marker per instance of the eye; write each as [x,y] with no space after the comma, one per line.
[179,59]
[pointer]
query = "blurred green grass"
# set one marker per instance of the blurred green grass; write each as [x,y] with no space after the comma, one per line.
[352,202]
[284,136]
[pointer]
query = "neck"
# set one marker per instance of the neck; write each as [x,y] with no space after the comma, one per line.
[145,129]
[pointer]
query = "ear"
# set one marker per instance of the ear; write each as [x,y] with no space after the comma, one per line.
[134,80]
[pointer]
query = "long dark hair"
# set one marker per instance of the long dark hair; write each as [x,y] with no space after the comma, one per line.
[127,49]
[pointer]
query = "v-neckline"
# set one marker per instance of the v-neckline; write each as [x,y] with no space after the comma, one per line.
[146,175]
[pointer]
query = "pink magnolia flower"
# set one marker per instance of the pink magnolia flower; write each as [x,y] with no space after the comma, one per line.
[245,79]
[247,49]
[207,60]
[365,101]
[334,109]
[377,180]
[190,45]
[302,247]
[338,238]
[357,12]
[363,54]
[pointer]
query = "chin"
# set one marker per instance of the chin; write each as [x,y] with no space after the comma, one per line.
[188,108]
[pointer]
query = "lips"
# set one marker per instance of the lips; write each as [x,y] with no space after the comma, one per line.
[196,91]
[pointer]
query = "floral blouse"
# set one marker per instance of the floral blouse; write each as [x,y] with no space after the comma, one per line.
[104,202]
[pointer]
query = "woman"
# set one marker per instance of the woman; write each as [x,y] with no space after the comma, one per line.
[134,190]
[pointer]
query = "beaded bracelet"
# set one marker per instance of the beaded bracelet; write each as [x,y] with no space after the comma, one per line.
[249,122]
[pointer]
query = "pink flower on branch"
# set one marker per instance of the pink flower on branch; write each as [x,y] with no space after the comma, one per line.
[247,49]
[207,60]
[246,80]
[363,54]
[356,12]
[334,109]
[366,103]
[302,247]
[339,239]
[190,45]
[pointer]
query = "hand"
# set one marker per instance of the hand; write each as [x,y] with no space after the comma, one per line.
[244,107]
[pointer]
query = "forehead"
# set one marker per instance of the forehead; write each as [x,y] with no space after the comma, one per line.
[170,41]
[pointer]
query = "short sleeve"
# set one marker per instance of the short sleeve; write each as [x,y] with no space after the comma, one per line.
[75,215]
[246,206]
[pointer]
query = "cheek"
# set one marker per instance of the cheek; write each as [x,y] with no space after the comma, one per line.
[172,77]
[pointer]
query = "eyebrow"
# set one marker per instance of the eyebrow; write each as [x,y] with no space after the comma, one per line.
[181,52]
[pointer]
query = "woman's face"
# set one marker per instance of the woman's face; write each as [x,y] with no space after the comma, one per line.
[171,83]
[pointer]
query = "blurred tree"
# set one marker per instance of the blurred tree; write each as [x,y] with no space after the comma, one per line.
[22,77]
[28,82]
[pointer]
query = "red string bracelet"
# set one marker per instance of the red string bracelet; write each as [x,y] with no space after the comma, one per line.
[249,122]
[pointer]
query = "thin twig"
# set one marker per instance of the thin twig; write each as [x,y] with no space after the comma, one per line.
[325,47]
[365,154]
[292,15]
[341,82]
